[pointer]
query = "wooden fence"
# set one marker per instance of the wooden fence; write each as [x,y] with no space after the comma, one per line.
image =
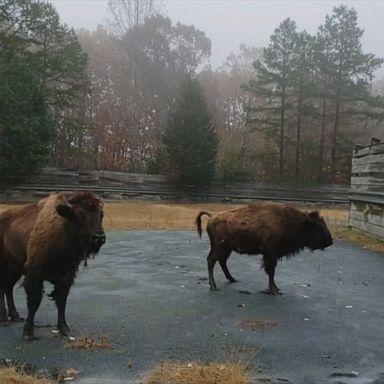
[367,190]
[119,186]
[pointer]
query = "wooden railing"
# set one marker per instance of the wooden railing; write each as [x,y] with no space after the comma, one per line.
[119,186]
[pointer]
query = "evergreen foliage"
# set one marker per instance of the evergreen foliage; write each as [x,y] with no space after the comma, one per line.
[316,87]
[42,70]
[189,138]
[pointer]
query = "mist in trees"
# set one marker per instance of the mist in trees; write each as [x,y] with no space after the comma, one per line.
[107,99]
[134,77]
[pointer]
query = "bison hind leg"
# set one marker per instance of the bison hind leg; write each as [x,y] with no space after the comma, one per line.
[211,260]
[13,277]
[269,267]
[223,257]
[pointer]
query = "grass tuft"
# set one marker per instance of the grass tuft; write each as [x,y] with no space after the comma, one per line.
[12,375]
[253,325]
[199,373]
[89,343]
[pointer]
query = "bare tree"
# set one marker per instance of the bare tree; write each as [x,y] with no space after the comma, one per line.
[125,14]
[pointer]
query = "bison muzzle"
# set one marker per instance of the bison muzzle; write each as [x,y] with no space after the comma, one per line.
[273,230]
[47,241]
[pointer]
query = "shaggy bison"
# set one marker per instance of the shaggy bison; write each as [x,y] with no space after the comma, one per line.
[273,230]
[47,241]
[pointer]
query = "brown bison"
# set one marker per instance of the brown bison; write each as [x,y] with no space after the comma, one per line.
[273,230]
[47,241]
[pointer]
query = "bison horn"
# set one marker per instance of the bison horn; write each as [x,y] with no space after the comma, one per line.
[64,208]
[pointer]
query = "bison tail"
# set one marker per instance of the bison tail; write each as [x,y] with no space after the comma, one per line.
[198,221]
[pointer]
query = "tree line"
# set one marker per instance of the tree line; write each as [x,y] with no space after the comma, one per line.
[137,95]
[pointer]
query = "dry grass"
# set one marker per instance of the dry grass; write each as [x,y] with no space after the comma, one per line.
[199,373]
[150,215]
[11,375]
[135,214]
[89,343]
[253,325]
[360,238]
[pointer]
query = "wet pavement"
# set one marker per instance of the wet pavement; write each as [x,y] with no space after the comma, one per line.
[147,291]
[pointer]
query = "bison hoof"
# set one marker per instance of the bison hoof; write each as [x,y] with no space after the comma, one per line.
[64,330]
[3,317]
[231,281]
[15,317]
[4,323]
[273,292]
[29,336]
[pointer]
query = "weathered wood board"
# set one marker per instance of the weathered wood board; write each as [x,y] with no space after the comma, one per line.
[367,190]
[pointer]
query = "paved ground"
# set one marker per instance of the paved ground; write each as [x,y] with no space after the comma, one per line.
[147,290]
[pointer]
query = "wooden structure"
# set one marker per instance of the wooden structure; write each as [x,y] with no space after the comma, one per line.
[367,189]
[119,186]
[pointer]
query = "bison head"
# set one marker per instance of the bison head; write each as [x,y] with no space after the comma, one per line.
[85,214]
[316,234]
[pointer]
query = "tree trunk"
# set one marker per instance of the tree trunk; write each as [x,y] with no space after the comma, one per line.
[298,133]
[281,139]
[334,138]
[322,137]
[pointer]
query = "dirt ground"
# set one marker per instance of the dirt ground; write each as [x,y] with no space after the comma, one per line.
[147,293]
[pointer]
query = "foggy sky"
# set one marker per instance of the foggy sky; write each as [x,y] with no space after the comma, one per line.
[228,23]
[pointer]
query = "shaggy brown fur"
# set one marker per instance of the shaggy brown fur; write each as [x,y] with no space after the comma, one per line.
[273,230]
[47,241]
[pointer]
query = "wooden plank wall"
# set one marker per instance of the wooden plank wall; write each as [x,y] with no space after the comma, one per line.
[367,190]
[120,185]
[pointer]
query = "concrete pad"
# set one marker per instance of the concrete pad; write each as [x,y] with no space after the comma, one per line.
[148,292]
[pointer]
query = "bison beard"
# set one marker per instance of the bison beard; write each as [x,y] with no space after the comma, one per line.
[47,241]
[273,230]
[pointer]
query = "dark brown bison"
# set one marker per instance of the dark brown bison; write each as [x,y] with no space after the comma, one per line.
[273,230]
[47,241]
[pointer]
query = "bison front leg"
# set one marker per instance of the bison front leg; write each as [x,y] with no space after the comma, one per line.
[3,310]
[33,286]
[3,280]
[60,295]
[269,267]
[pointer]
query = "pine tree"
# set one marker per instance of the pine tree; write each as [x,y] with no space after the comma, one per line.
[42,70]
[26,126]
[349,72]
[189,138]
[272,86]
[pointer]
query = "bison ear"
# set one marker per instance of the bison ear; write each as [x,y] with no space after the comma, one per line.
[65,210]
[311,218]
[314,215]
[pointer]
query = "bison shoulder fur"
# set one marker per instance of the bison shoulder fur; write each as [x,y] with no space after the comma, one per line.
[46,241]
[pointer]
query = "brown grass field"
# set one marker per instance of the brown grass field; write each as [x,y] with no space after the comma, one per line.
[136,214]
